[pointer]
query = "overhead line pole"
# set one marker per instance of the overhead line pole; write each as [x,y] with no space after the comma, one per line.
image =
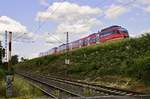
[9,75]
[67,61]
[67,45]
[9,52]
[1,48]
[5,59]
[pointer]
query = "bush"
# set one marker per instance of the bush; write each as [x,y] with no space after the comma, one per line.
[2,73]
[127,57]
[140,69]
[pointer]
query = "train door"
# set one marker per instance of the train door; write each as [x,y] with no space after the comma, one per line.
[97,38]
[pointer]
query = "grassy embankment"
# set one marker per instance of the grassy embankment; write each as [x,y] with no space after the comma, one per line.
[124,63]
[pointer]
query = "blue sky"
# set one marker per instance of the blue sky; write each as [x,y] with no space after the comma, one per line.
[79,17]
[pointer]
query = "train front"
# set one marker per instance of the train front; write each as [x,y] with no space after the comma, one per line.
[114,32]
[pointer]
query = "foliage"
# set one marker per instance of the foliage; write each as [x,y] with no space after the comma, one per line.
[2,73]
[21,88]
[127,57]
[14,59]
[23,59]
[140,69]
[0,56]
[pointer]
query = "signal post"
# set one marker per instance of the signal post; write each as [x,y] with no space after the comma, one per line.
[9,75]
[67,60]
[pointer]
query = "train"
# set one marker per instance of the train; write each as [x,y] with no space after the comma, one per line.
[106,34]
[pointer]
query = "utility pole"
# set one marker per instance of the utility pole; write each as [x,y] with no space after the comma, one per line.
[9,52]
[67,61]
[1,48]
[6,44]
[9,76]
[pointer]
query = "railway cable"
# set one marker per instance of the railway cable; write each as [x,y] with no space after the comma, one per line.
[60,41]
[126,4]
[117,9]
[41,24]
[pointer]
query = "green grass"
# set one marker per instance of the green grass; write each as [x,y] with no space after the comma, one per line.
[21,88]
[126,58]
[2,73]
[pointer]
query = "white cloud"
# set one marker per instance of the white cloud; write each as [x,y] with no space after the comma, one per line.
[135,1]
[144,1]
[80,26]
[71,18]
[69,11]
[145,31]
[44,2]
[144,5]
[115,11]
[30,36]
[139,34]
[140,4]
[53,38]
[125,1]
[20,34]
[19,30]
[147,9]
[9,24]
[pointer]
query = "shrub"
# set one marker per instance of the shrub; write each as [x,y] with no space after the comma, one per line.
[127,57]
[140,69]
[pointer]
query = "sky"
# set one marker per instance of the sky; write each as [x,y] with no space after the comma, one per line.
[39,25]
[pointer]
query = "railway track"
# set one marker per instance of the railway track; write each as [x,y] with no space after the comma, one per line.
[116,91]
[44,88]
[50,89]
[77,88]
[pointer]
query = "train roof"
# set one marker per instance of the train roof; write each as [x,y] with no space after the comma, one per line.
[111,27]
[54,47]
[62,45]
[92,34]
[74,41]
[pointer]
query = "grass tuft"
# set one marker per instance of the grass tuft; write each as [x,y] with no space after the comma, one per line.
[126,58]
[21,88]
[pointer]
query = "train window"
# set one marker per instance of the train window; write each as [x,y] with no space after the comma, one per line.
[106,34]
[118,32]
[96,39]
[125,31]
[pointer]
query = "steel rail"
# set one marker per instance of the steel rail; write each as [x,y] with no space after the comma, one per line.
[102,90]
[97,88]
[48,84]
[116,90]
[35,84]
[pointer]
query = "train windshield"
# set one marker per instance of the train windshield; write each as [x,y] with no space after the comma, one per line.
[106,34]
[124,31]
[94,40]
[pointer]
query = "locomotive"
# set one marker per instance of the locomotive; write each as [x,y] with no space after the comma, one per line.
[110,33]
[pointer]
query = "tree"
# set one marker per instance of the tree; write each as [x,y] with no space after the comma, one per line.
[14,59]
[23,59]
[0,56]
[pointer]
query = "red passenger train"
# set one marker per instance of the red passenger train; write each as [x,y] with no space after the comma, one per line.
[110,33]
